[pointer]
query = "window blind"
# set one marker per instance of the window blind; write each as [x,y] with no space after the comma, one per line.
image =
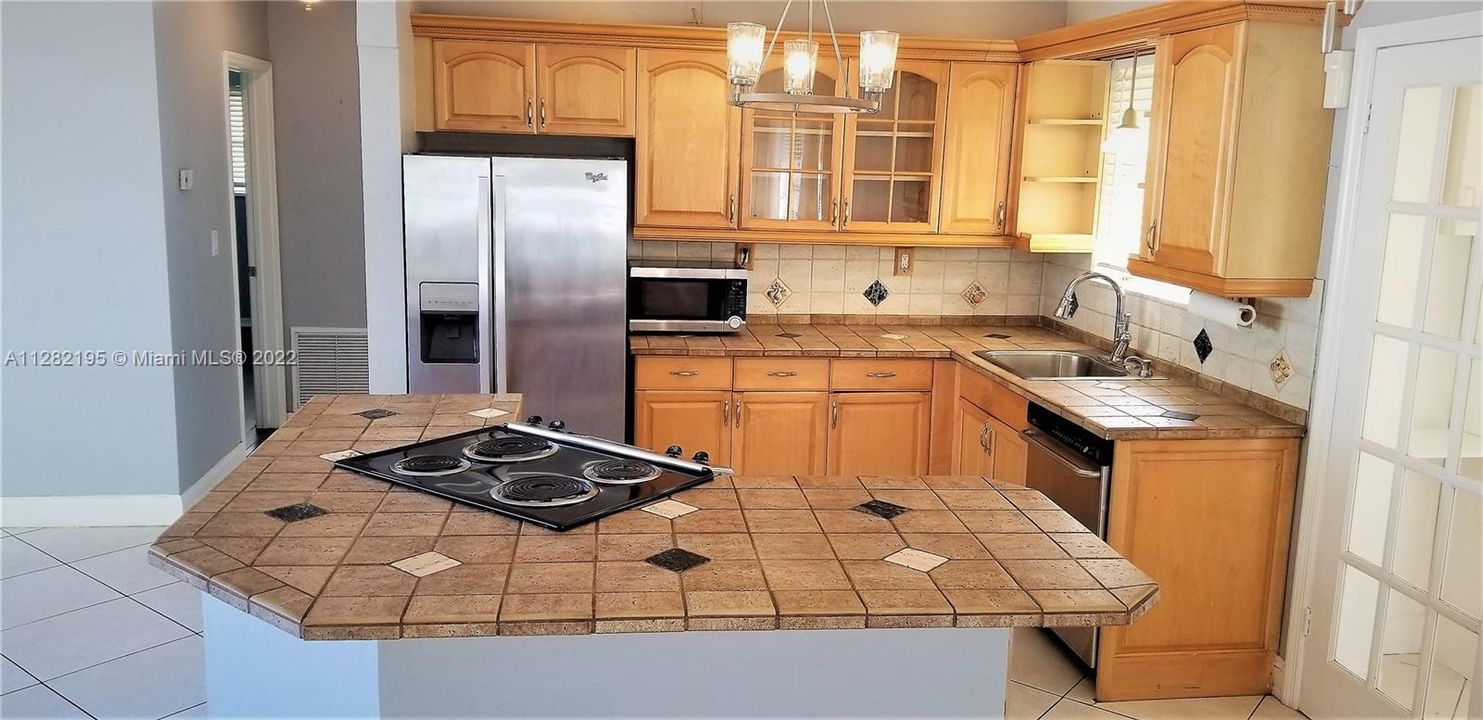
[237,118]
[1124,163]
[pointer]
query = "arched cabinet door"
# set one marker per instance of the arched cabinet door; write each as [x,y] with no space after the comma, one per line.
[975,164]
[688,143]
[585,90]
[484,86]
[1197,95]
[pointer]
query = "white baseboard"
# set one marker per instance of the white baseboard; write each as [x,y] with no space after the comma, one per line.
[113,510]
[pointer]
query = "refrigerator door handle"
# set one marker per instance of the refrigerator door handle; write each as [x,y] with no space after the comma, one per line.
[486,314]
[501,321]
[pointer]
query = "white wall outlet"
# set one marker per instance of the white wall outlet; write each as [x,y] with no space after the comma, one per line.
[903,261]
[187,179]
[215,243]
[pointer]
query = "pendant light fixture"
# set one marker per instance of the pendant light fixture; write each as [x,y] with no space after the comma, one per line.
[1130,116]
[745,56]
[1123,139]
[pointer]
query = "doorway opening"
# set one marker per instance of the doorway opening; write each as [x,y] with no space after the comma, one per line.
[262,381]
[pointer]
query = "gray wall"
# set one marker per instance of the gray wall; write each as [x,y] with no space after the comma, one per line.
[84,253]
[191,37]
[317,124]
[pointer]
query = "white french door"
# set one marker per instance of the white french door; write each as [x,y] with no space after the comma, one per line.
[1395,600]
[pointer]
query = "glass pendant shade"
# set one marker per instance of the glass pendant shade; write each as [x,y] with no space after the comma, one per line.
[800,60]
[744,50]
[877,60]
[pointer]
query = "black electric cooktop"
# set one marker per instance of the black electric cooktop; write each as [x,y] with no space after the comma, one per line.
[541,475]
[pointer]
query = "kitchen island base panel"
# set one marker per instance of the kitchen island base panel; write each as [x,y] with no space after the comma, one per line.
[255,670]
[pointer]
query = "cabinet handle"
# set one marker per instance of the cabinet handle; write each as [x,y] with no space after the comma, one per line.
[834,212]
[1150,238]
[737,423]
[880,374]
[782,373]
[846,212]
[990,447]
[685,373]
[983,441]
[543,113]
[726,411]
[833,414]
[530,111]
[731,210]
[1003,215]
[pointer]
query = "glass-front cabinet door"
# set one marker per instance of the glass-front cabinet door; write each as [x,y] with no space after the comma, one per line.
[791,161]
[892,158]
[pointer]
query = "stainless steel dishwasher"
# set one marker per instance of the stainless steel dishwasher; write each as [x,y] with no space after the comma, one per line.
[1073,467]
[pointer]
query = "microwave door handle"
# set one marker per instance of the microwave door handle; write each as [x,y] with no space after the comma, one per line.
[501,311]
[1073,462]
[486,314]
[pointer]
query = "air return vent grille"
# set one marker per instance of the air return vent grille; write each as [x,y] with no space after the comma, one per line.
[330,360]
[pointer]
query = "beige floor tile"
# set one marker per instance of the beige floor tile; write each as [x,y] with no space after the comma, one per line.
[1027,703]
[1271,708]
[1035,660]
[1072,710]
[1220,708]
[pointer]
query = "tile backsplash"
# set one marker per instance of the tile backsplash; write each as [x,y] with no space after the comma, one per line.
[1274,357]
[795,279]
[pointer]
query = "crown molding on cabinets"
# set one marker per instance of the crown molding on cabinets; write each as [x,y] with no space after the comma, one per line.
[1139,27]
[463,27]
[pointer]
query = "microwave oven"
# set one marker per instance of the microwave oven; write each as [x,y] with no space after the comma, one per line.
[687,298]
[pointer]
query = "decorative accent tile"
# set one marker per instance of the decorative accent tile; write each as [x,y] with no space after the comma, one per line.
[915,559]
[340,455]
[1203,346]
[376,413]
[998,336]
[893,336]
[974,294]
[1177,415]
[1280,368]
[787,335]
[881,509]
[669,509]
[488,413]
[296,512]
[425,564]
[877,293]
[677,560]
[778,292]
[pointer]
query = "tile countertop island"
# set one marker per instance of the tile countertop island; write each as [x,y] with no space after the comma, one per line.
[1114,408]
[874,581]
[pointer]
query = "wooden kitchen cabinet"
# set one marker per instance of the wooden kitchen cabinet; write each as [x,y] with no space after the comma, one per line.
[1238,161]
[891,180]
[1058,169]
[790,162]
[976,161]
[693,419]
[688,142]
[879,433]
[987,447]
[585,90]
[780,433]
[1209,520]
[484,86]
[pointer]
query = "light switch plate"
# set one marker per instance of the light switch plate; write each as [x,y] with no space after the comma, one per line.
[187,179]
[215,243]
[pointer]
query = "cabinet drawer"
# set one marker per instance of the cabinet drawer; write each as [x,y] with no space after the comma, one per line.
[880,374]
[680,373]
[782,374]
[1000,401]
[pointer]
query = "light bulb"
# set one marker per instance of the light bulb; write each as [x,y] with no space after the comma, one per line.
[800,58]
[744,52]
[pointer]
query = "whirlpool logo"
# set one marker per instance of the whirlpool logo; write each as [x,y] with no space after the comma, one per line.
[597,177]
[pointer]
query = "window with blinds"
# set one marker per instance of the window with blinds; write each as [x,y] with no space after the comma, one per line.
[237,118]
[1124,163]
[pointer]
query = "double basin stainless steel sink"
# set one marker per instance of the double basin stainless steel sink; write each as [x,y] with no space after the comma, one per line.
[1053,364]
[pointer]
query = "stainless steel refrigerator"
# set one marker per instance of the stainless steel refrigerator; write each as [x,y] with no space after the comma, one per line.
[516,282]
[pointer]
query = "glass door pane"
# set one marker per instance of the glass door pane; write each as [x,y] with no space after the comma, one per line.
[895,154]
[789,175]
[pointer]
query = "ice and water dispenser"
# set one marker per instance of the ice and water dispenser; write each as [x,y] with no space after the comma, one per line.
[449,319]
